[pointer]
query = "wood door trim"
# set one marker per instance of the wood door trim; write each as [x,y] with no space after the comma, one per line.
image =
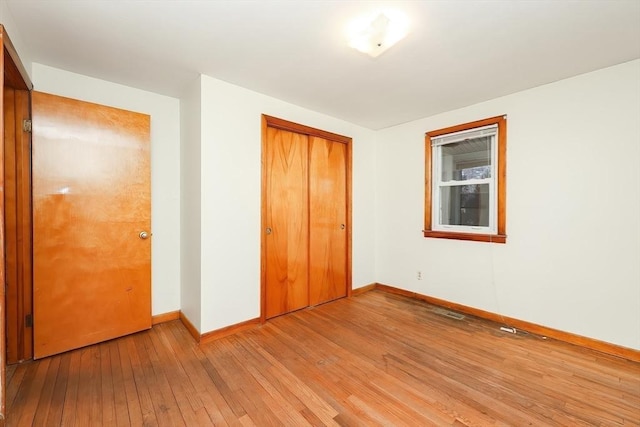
[263,221]
[216,334]
[165,317]
[3,305]
[15,73]
[274,122]
[17,222]
[349,217]
[277,123]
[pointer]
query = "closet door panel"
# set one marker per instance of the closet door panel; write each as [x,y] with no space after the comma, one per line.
[327,220]
[287,221]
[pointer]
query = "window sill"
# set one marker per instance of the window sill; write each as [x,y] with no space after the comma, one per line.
[491,238]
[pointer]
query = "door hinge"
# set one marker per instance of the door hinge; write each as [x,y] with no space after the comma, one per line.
[26,125]
[28,320]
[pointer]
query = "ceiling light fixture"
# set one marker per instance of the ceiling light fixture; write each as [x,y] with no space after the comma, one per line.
[374,35]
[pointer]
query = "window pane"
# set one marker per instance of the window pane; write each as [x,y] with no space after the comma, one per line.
[469,159]
[465,205]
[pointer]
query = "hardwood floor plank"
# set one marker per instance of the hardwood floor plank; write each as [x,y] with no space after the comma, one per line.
[133,415]
[140,378]
[89,400]
[221,393]
[113,369]
[71,395]
[207,397]
[239,382]
[175,378]
[33,385]
[10,371]
[285,412]
[374,359]
[165,406]
[46,395]
[187,391]
[15,381]
[290,386]
[108,380]
[54,415]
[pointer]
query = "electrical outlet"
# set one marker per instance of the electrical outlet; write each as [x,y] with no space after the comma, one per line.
[419,275]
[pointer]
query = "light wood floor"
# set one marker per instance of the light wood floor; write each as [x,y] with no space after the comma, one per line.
[375,359]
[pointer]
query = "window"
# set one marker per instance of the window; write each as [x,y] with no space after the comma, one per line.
[465,189]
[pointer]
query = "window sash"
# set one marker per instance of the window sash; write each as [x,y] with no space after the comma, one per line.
[436,146]
[466,182]
[450,138]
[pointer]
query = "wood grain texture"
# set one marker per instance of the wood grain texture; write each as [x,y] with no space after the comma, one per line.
[91,199]
[327,220]
[13,305]
[374,359]
[590,343]
[229,330]
[364,289]
[3,314]
[287,216]
[165,317]
[25,223]
[277,123]
[13,75]
[193,331]
[17,166]
[327,199]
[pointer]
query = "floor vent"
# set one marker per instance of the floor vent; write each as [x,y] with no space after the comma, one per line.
[448,313]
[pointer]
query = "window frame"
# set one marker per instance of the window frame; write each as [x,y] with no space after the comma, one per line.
[499,236]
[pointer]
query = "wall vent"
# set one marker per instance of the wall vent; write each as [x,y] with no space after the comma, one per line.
[448,313]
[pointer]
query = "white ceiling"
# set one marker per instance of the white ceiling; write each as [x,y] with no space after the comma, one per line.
[457,53]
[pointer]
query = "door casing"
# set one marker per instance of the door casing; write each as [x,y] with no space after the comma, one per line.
[18,225]
[13,75]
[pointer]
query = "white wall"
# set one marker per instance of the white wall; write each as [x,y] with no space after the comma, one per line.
[572,257]
[6,19]
[165,167]
[231,186]
[571,260]
[190,195]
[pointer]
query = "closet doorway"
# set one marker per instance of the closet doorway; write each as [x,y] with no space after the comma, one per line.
[306,217]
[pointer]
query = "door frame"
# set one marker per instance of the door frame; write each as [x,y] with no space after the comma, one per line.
[13,75]
[274,122]
[18,226]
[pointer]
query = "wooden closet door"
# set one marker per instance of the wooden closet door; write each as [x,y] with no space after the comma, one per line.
[327,220]
[287,222]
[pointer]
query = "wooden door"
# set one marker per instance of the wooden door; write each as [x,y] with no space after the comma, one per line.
[306,217]
[327,220]
[287,222]
[91,202]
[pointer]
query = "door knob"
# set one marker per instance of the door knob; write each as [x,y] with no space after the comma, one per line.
[143,235]
[341,226]
[268,230]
